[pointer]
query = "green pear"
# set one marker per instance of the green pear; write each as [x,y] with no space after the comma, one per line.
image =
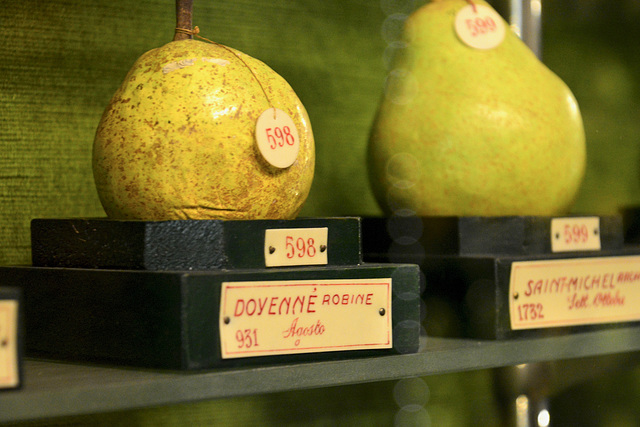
[465,131]
[178,139]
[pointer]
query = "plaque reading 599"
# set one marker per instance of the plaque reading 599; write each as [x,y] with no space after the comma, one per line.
[295,246]
[575,234]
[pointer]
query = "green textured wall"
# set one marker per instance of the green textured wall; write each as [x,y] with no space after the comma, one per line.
[63,59]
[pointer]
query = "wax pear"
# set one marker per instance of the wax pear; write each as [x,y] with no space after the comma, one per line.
[178,139]
[464,130]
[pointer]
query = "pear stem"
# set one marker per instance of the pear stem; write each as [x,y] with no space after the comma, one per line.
[473,5]
[184,20]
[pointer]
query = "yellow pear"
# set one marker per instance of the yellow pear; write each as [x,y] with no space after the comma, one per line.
[465,130]
[178,139]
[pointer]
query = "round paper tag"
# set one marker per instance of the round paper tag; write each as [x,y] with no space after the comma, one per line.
[277,138]
[480,26]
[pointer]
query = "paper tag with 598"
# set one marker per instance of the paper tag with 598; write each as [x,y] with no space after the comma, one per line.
[277,138]
[480,26]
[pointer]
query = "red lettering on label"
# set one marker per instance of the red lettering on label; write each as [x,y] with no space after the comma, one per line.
[274,302]
[299,301]
[287,301]
[347,299]
[239,307]
[606,299]
[278,137]
[311,303]
[529,291]
[247,338]
[300,247]
[529,312]
[261,305]
[628,276]
[578,302]
[297,332]
[480,26]
[251,307]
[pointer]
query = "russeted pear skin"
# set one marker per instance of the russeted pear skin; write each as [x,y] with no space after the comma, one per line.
[471,132]
[177,140]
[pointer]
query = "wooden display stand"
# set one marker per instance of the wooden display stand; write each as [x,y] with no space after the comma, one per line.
[511,277]
[207,294]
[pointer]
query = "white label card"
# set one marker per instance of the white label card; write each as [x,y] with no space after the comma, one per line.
[480,26]
[295,246]
[578,291]
[575,234]
[9,376]
[309,316]
[277,138]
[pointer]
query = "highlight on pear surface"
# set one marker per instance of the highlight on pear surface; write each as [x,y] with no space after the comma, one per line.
[471,122]
[179,139]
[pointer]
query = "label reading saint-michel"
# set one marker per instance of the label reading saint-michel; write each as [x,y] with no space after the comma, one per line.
[578,291]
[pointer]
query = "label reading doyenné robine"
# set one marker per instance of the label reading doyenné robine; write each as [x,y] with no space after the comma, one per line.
[288,317]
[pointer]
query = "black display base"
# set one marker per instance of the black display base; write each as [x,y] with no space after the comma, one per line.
[11,338]
[467,263]
[479,289]
[171,319]
[512,235]
[149,293]
[631,225]
[176,245]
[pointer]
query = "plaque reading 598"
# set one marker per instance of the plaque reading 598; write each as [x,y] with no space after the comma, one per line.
[296,246]
[300,247]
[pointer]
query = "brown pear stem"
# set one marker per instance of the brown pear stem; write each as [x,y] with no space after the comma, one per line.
[184,20]
[473,5]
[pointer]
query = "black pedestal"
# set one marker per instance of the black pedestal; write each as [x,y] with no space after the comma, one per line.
[501,276]
[208,294]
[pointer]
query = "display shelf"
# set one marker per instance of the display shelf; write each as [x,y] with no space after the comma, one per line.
[53,389]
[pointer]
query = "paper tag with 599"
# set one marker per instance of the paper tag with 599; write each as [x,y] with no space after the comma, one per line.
[277,138]
[480,27]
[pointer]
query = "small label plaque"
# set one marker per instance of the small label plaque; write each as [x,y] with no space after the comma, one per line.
[479,26]
[277,138]
[579,291]
[9,376]
[290,317]
[295,246]
[575,234]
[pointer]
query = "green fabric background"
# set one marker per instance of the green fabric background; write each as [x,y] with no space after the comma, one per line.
[63,59]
